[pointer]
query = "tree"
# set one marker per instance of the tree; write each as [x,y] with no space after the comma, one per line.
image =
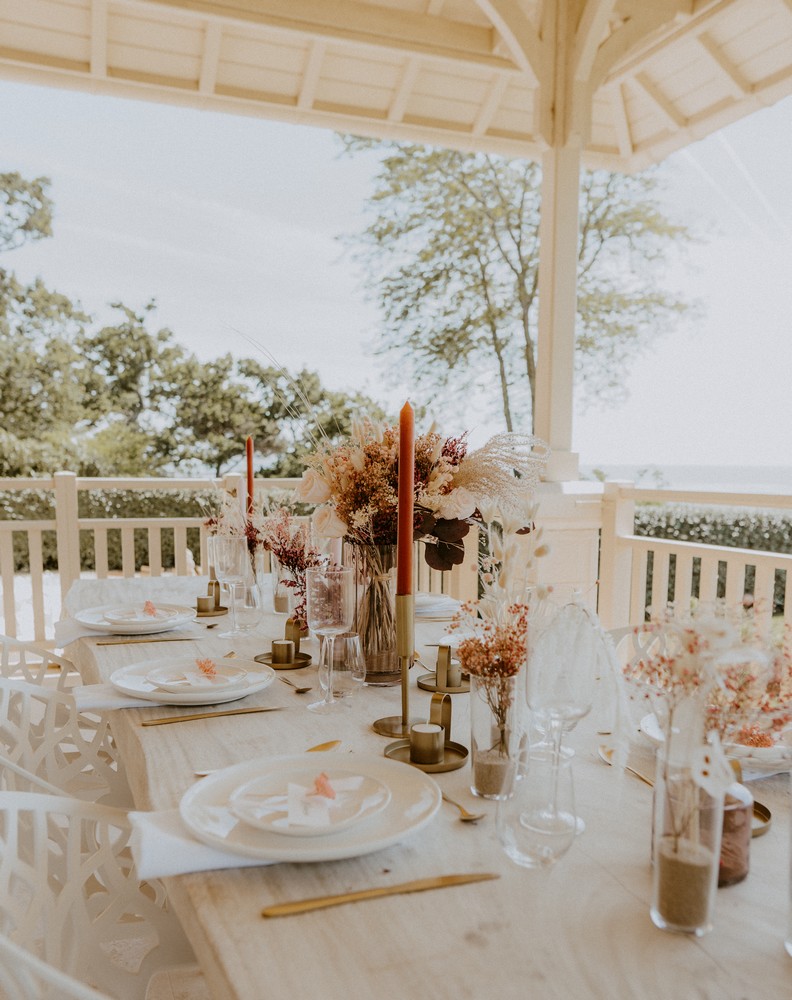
[452,257]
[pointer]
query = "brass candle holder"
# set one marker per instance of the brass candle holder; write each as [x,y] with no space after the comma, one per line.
[448,678]
[399,725]
[429,746]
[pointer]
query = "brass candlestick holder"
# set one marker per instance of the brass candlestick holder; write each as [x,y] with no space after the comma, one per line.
[399,725]
[429,746]
[449,677]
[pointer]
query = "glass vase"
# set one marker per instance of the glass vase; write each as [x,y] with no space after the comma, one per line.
[375,616]
[282,588]
[495,735]
[687,837]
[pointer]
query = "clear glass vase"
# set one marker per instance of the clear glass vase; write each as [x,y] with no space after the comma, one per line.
[687,836]
[495,734]
[282,588]
[375,616]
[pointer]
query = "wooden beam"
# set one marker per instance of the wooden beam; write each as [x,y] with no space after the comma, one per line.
[406,83]
[352,21]
[99,38]
[643,22]
[310,80]
[621,121]
[491,104]
[590,34]
[211,57]
[661,102]
[519,34]
[729,73]
[434,7]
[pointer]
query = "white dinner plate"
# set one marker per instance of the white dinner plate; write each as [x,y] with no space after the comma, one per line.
[134,681]
[205,810]
[776,758]
[185,673]
[94,618]
[435,607]
[284,801]
[135,614]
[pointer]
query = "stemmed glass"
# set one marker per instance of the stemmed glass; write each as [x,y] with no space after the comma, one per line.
[560,680]
[330,610]
[231,560]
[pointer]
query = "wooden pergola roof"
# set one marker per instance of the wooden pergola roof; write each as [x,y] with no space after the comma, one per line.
[471,74]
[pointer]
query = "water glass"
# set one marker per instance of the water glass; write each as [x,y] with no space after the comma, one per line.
[536,825]
[349,666]
[247,605]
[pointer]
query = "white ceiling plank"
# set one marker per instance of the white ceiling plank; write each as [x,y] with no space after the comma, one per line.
[519,34]
[490,106]
[210,58]
[632,34]
[591,31]
[621,121]
[99,38]
[310,79]
[661,102]
[401,97]
[733,78]
[349,21]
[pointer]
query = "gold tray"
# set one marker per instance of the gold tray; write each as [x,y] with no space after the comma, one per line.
[212,614]
[762,818]
[428,682]
[455,756]
[300,660]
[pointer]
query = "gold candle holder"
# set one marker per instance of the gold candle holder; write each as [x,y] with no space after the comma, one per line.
[399,725]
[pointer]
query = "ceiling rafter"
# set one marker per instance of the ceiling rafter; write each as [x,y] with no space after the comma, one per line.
[590,32]
[519,34]
[398,105]
[99,38]
[635,29]
[313,69]
[210,59]
[490,104]
[621,121]
[434,7]
[357,23]
[733,78]
[661,102]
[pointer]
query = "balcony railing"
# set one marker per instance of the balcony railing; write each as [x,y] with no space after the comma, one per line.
[31,602]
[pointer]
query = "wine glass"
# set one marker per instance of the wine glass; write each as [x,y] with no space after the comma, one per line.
[330,610]
[561,677]
[536,825]
[229,556]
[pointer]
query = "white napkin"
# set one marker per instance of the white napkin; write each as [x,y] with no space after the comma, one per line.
[85,594]
[162,846]
[435,606]
[104,697]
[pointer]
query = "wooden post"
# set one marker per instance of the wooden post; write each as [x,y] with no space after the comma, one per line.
[615,575]
[67,529]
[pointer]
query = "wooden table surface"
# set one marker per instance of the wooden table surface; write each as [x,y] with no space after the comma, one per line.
[580,930]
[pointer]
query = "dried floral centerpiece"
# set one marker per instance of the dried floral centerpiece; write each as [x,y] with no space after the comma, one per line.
[287,540]
[355,485]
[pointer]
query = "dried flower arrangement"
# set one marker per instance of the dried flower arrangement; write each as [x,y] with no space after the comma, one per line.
[356,484]
[288,540]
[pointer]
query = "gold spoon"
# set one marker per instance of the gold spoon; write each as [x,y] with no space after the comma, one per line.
[297,690]
[464,815]
[606,754]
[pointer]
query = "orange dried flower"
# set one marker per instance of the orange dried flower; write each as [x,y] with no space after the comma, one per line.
[149,609]
[207,667]
[323,787]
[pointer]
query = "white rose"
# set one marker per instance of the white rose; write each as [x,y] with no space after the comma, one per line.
[459,503]
[328,524]
[312,488]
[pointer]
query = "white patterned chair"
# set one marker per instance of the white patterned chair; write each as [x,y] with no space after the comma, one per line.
[28,661]
[70,897]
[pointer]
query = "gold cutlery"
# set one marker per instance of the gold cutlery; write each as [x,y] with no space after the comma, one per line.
[320,902]
[606,754]
[319,748]
[205,715]
[126,642]
[297,689]
[464,815]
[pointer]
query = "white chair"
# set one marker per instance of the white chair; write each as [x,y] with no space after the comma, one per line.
[42,731]
[35,664]
[25,977]
[70,897]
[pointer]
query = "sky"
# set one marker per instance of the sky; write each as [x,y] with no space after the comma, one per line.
[232,225]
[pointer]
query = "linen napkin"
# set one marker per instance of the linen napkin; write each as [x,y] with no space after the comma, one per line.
[104,697]
[162,845]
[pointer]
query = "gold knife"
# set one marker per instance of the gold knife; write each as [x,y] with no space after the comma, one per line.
[319,902]
[127,642]
[205,715]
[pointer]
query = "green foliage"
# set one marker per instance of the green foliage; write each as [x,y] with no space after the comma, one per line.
[452,257]
[25,210]
[765,530]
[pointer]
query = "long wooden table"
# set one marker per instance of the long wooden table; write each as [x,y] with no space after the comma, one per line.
[580,930]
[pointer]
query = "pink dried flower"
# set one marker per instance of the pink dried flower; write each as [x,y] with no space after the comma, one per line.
[149,609]
[323,787]
[207,667]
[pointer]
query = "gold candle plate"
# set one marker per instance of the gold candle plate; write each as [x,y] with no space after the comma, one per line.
[213,613]
[454,756]
[428,682]
[300,660]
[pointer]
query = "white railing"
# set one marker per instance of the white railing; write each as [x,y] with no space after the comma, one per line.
[39,595]
[625,559]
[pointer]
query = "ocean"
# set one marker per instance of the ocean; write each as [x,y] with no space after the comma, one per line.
[718,478]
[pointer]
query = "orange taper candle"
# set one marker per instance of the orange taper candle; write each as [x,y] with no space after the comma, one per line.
[249,453]
[404,537]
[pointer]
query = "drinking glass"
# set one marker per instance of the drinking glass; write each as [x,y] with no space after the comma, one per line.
[330,609]
[536,825]
[349,667]
[231,560]
[246,605]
